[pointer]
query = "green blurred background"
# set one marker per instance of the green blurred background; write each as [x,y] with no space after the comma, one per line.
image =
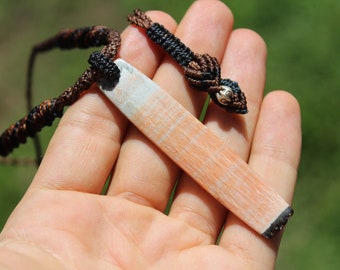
[303,57]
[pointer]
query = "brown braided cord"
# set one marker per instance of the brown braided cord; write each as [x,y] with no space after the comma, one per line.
[140,19]
[83,38]
[204,73]
[113,42]
[45,113]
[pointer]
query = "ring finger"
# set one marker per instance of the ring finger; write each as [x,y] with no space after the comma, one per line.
[244,61]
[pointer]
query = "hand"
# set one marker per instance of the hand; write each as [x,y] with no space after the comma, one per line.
[64,223]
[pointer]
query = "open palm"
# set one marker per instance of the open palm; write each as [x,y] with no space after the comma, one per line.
[73,230]
[64,223]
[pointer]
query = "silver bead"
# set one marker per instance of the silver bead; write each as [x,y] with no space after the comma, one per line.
[224,96]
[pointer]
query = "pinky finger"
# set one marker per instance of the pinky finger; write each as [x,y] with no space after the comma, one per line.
[275,155]
[277,143]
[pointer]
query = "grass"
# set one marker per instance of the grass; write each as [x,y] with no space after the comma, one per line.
[303,40]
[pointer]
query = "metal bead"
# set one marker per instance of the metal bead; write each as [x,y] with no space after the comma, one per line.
[224,96]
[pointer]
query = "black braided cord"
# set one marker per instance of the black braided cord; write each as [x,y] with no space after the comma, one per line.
[171,44]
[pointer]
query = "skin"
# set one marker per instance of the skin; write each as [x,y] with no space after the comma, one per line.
[63,223]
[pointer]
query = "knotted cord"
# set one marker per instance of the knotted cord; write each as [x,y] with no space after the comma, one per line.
[202,71]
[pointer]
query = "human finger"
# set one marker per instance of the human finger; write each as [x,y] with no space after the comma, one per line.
[275,157]
[244,61]
[151,177]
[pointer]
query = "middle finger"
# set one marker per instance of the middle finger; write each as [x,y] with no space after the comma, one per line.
[143,173]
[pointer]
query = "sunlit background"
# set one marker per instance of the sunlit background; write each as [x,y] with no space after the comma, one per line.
[303,40]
